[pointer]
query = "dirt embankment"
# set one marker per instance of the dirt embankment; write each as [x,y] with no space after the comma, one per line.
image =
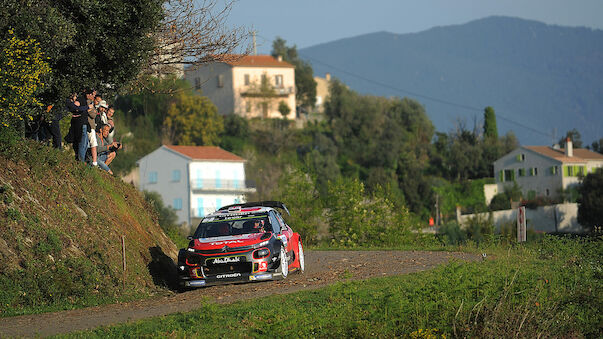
[322,268]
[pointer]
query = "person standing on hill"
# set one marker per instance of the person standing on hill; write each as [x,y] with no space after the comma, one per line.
[78,120]
[90,128]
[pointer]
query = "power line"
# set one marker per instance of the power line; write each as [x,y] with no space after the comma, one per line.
[426,97]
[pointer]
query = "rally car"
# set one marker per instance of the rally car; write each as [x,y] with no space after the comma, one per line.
[240,243]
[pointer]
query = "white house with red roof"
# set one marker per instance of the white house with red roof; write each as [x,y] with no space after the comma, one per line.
[251,86]
[542,170]
[194,180]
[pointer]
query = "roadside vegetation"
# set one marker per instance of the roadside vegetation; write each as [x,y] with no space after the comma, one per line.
[545,288]
[62,226]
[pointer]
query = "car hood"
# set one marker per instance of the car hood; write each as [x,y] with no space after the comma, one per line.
[230,241]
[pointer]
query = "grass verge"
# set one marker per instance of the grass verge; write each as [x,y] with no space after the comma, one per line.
[548,288]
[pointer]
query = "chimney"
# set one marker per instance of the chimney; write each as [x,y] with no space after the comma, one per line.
[279,58]
[328,76]
[569,148]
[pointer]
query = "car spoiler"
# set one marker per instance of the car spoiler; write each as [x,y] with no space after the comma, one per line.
[272,204]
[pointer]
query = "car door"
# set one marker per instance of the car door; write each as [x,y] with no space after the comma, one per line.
[284,232]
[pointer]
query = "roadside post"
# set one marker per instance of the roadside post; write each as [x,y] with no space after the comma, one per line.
[521,224]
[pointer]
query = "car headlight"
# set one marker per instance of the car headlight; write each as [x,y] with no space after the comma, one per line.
[259,254]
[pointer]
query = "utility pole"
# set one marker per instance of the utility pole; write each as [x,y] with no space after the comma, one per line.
[437,206]
[255,50]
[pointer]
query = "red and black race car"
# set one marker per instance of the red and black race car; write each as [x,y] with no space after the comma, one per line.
[241,242]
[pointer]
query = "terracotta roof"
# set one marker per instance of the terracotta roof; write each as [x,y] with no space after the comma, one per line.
[258,61]
[580,154]
[205,153]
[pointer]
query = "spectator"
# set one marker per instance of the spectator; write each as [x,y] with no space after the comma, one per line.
[97,100]
[106,151]
[53,128]
[110,112]
[101,117]
[78,121]
[91,98]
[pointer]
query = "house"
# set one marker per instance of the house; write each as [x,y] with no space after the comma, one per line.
[194,180]
[322,92]
[249,86]
[542,170]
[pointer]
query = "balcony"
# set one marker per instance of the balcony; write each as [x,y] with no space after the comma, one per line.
[271,92]
[222,185]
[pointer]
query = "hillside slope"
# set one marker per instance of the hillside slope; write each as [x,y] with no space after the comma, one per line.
[541,76]
[61,229]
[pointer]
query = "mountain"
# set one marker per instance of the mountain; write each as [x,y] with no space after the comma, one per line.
[539,78]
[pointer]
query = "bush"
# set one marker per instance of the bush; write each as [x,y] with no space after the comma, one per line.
[357,219]
[452,234]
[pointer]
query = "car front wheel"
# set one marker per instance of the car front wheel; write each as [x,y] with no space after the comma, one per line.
[284,263]
[300,254]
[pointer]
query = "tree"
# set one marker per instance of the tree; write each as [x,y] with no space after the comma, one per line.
[193,120]
[284,109]
[574,136]
[590,208]
[490,129]
[89,43]
[194,33]
[597,146]
[305,94]
[22,67]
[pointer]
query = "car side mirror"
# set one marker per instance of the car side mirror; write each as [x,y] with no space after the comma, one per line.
[190,237]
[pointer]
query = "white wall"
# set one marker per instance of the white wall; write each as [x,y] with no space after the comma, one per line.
[561,218]
[539,183]
[221,184]
[255,77]
[163,162]
[222,97]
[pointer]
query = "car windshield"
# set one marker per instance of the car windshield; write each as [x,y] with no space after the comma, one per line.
[224,226]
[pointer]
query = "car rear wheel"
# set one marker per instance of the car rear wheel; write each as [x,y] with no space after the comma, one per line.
[300,255]
[284,263]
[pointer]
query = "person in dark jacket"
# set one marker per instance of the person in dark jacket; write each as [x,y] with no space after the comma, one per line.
[78,119]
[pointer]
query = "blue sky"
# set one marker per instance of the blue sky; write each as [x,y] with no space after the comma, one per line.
[310,22]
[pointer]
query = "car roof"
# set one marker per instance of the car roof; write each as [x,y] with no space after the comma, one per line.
[234,211]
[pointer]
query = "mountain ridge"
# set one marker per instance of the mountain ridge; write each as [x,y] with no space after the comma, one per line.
[538,77]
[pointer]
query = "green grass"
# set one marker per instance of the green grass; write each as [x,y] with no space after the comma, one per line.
[551,287]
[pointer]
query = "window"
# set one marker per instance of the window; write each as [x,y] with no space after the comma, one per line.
[200,208]
[521,157]
[248,106]
[197,83]
[509,175]
[176,175]
[548,192]
[533,171]
[221,80]
[178,204]
[152,177]
[218,180]
[276,227]
[574,171]
[197,182]
[247,82]
[278,80]
[218,203]
[554,170]
[521,172]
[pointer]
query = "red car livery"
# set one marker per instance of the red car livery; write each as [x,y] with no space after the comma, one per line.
[241,242]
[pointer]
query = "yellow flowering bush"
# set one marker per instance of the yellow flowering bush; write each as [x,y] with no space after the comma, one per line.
[22,67]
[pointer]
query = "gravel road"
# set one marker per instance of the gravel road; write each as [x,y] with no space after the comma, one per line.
[322,268]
